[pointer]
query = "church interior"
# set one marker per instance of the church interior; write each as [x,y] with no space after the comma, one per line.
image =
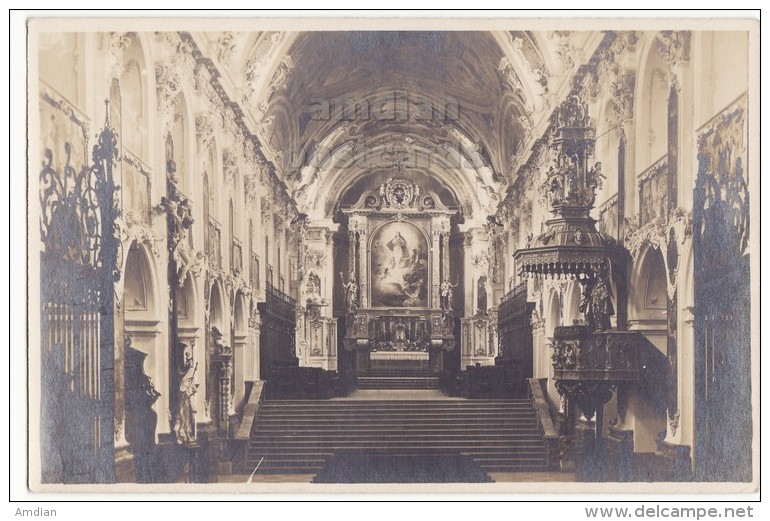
[391,256]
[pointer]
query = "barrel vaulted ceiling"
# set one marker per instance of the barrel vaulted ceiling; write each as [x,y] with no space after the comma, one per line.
[340,112]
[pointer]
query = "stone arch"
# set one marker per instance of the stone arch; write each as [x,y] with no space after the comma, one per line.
[555,311]
[651,111]
[648,303]
[571,303]
[186,299]
[142,309]
[135,99]
[217,307]
[139,282]
[649,266]
[470,180]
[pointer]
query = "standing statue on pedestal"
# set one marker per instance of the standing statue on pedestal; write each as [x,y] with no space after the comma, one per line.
[447,294]
[351,292]
[184,427]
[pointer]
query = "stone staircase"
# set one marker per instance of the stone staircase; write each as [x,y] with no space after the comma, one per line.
[299,436]
[395,380]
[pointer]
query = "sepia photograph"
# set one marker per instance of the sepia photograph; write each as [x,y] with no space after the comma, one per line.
[406,254]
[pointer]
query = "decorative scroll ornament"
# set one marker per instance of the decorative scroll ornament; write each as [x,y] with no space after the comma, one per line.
[665,236]
[398,196]
[230,166]
[204,131]
[168,86]
[114,44]
[70,221]
[280,75]
[315,259]
[132,228]
[674,47]
[652,233]
[537,67]
[251,187]
[508,72]
[267,209]
[225,47]
[279,222]
[613,76]
[565,50]
[253,70]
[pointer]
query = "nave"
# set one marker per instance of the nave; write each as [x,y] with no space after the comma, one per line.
[433,256]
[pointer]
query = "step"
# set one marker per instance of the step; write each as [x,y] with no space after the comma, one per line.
[299,436]
[265,450]
[396,374]
[399,377]
[393,383]
[393,412]
[391,418]
[442,402]
[395,415]
[375,406]
[368,426]
[385,436]
[371,404]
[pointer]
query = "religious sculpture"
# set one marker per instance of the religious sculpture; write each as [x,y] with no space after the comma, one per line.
[219,347]
[594,177]
[447,294]
[179,209]
[351,292]
[314,300]
[481,297]
[596,300]
[601,302]
[184,427]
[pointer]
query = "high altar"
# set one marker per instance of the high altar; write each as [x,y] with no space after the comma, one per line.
[398,312]
[399,280]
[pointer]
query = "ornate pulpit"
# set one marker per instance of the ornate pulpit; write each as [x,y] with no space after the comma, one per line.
[591,360]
